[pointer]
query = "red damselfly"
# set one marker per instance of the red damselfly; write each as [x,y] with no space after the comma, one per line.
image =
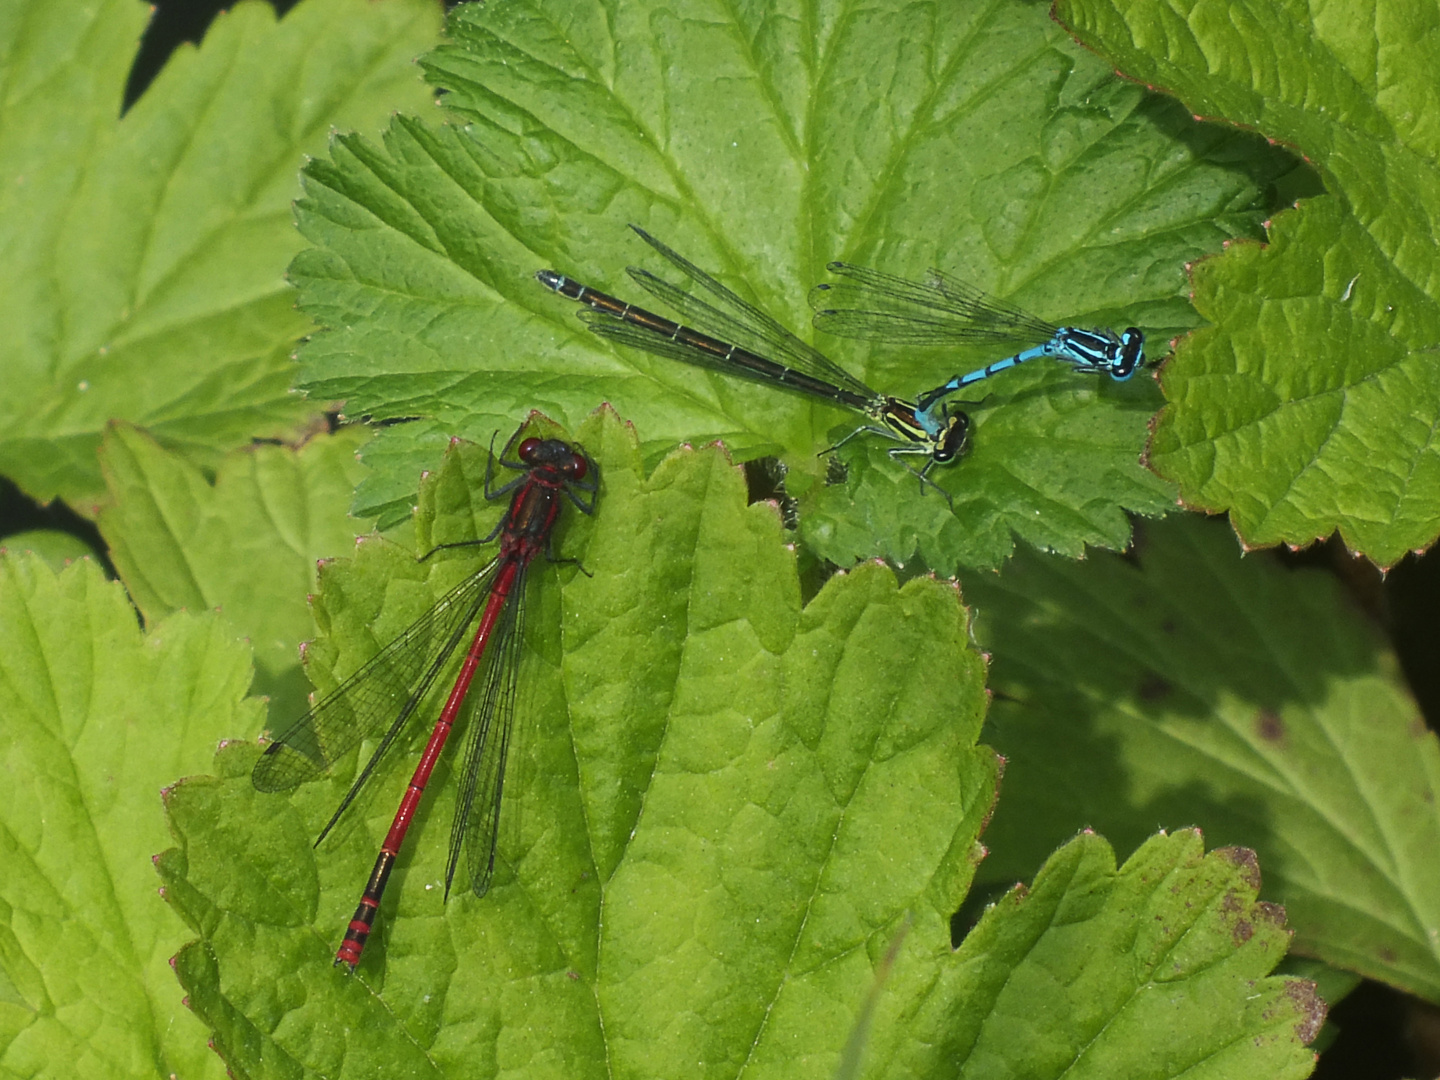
[389,688]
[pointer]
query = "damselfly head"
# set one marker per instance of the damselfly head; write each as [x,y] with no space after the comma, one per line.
[952,441]
[554,454]
[1132,354]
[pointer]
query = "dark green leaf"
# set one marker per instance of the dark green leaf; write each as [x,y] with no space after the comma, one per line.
[1253,701]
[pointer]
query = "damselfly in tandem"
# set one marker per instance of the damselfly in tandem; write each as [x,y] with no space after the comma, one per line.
[380,698]
[942,310]
[751,344]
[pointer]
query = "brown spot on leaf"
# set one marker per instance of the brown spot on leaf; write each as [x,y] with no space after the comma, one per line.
[1154,688]
[1245,861]
[1309,1005]
[1269,726]
[1268,912]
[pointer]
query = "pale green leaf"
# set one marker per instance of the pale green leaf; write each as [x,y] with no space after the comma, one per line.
[722,806]
[95,716]
[143,275]
[1157,970]
[57,548]
[245,543]
[719,808]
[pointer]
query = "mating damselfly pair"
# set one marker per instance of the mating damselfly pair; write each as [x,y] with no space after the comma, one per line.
[737,338]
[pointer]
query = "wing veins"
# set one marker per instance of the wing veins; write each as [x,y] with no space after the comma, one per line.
[475,829]
[362,703]
[942,310]
[744,324]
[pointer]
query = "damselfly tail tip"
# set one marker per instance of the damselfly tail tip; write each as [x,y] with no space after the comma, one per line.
[550,279]
[348,955]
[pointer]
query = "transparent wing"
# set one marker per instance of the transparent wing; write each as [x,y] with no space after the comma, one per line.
[638,337]
[487,744]
[384,691]
[940,311]
[740,322]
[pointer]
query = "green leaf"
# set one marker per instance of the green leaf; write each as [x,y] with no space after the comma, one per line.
[1156,970]
[761,147]
[853,1053]
[1230,693]
[94,717]
[719,809]
[1311,404]
[246,543]
[144,254]
[57,548]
